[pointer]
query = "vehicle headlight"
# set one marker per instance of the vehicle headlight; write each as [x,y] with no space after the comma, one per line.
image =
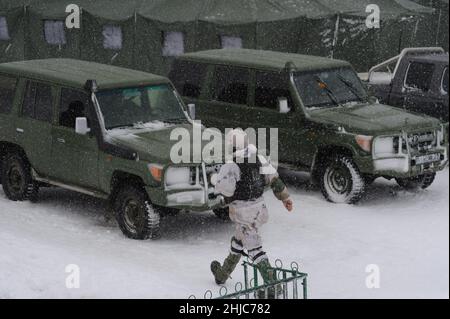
[385,146]
[365,142]
[178,176]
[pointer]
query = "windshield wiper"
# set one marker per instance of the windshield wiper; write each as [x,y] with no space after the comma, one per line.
[350,86]
[330,93]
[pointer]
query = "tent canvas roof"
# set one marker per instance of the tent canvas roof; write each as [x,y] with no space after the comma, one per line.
[219,11]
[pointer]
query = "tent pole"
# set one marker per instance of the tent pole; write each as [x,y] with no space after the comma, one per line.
[335,36]
[438,31]
[80,34]
[134,58]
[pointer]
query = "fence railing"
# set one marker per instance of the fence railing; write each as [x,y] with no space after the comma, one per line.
[287,284]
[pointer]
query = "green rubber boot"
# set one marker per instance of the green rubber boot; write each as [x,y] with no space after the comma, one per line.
[268,275]
[266,272]
[222,272]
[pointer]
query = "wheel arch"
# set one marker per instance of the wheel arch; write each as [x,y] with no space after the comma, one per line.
[8,147]
[119,178]
[325,152]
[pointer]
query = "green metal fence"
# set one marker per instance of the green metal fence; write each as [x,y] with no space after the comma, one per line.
[289,284]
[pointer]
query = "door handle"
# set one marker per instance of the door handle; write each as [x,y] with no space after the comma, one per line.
[61,140]
[19,130]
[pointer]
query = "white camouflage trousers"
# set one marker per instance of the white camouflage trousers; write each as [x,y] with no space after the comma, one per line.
[249,216]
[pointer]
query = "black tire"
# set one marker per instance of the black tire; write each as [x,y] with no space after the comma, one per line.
[415,183]
[17,180]
[341,181]
[222,213]
[135,214]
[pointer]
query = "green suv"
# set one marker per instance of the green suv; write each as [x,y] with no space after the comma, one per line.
[98,130]
[327,123]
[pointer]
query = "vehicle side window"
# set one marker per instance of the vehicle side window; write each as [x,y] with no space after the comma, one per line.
[444,87]
[7,90]
[188,78]
[38,102]
[230,85]
[419,76]
[73,104]
[269,88]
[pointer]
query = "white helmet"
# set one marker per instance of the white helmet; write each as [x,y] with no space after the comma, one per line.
[236,140]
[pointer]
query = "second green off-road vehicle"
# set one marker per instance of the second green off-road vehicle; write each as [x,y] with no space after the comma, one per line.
[327,124]
[99,130]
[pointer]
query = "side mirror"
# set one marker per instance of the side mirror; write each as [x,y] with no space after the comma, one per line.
[283,106]
[191,111]
[81,126]
[380,78]
[373,100]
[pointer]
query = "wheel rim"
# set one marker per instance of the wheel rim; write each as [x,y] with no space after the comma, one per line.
[133,216]
[16,180]
[338,180]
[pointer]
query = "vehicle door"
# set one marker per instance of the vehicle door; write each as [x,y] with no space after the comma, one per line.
[8,91]
[34,124]
[74,156]
[420,93]
[270,88]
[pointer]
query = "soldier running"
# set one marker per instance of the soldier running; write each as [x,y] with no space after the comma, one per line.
[242,184]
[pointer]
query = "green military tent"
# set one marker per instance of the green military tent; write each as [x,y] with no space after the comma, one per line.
[149,34]
[12,26]
[433,29]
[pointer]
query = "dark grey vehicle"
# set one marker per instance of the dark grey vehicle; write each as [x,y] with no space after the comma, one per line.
[416,80]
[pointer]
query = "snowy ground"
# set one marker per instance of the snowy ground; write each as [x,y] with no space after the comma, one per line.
[405,234]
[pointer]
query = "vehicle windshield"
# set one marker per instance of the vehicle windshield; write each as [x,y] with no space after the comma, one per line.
[329,88]
[133,106]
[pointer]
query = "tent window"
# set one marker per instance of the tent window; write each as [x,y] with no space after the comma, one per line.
[54,32]
[112,37]
[4,34]
[173,43]
[229,42]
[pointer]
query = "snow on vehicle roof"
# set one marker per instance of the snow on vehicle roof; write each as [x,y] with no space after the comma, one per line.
[75,73]
[264,59]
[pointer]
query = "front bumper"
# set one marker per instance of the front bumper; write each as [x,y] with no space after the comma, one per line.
[190,197]
[402,165]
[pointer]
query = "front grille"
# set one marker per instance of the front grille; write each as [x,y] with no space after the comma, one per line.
[422,142]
